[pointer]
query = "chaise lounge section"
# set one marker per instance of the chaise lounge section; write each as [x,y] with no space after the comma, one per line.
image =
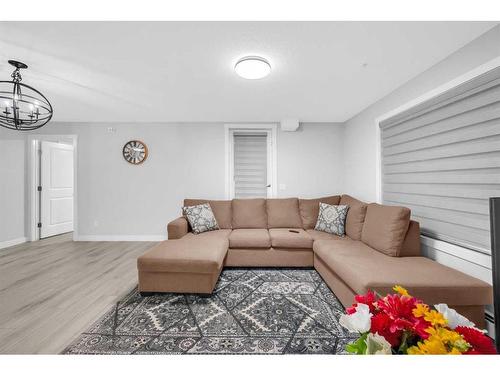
[381,248]
[183,266]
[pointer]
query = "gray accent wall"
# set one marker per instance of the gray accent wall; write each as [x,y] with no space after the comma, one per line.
[360,141]
[117,200]
[12,187]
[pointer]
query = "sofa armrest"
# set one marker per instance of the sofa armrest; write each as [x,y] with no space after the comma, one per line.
[177,228]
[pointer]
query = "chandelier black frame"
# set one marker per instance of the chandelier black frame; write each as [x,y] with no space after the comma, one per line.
[22,107]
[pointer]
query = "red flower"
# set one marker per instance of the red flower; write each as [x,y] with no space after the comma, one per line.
[396,316]
[398,306]
[381,323]
[368,299]
[481,344]
[351,310]
[420,327]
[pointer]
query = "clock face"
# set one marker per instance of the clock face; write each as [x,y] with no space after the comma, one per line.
[135,152]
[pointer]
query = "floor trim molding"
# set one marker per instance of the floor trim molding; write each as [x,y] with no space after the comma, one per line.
[15,241]
[124,238]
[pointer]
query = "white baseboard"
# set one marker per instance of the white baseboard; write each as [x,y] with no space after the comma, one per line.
[15,241]
[125,238]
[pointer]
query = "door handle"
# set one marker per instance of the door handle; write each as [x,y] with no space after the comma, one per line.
[268,185]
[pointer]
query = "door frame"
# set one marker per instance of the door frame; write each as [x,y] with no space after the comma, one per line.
[33,181]
[272,172]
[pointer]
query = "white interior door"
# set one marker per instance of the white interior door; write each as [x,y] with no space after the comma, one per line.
[56,177]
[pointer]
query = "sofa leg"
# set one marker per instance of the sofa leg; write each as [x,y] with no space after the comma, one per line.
[146,294]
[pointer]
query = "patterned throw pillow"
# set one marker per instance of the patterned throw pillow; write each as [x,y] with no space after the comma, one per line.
[201,218]
[331,219]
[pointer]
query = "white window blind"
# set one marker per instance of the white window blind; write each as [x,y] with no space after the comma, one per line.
[442,160]
[250,165]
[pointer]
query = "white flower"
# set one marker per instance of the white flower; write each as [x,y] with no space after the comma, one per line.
[453,317]
[376,344]
[358,322]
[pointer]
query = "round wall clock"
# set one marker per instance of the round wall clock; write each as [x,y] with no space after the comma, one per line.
[135,152]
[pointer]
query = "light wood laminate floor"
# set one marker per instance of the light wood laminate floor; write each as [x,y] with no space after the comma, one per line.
[51,290]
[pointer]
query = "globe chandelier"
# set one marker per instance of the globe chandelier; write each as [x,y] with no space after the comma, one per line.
[22,107]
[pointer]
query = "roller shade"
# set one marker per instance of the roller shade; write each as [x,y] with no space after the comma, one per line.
[442,160]
[250,165]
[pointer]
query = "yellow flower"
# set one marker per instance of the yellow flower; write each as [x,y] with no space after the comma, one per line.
[440,341]
[414,350]
[399,289]
[451,338]
[430,346]
[435,318]
[420,310]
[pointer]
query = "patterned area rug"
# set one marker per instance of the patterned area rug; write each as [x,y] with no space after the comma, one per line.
[252,311]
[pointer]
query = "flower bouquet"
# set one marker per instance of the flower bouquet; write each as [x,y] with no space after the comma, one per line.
[401,324]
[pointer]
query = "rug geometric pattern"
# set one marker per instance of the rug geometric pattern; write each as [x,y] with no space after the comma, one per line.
[252,311]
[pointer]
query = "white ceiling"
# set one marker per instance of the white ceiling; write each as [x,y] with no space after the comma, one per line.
[183,71]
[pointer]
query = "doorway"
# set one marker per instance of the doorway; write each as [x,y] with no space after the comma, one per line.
[52,186]
[250,161]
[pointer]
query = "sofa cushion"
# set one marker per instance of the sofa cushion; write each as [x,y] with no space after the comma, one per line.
[249,239]
[221,210]
[355,216]
[385,228]
[411,244]
[283,238]
[363,268]
[249,213]
[331,219]
[309,209]
[185,255]
[200,217]
[318,235]
[283,213]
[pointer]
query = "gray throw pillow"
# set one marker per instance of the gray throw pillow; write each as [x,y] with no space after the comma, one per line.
[201,218]
[331,219]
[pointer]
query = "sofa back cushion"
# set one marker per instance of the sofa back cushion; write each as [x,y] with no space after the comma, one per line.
[283,213]
[385,228]
[249,213]
[355,216]
[411,244]
[309,209]
[221,209]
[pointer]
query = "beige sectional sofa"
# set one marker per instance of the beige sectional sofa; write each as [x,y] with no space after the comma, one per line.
[381,248]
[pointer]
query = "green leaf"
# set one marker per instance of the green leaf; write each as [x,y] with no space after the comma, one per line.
[358,346]
[403,347]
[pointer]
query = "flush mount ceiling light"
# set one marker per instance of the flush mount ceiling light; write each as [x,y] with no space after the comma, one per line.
[21,106]
[252,67]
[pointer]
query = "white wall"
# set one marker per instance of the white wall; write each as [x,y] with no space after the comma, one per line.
[310,160]
[360,137]
[12,188]
[116,199]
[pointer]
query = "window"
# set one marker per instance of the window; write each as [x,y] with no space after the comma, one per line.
[251,161]
[441,158]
